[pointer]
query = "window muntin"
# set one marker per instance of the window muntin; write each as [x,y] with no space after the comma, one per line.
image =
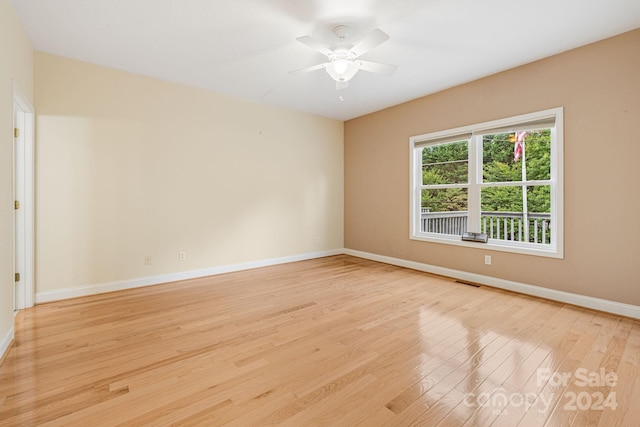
[520,211]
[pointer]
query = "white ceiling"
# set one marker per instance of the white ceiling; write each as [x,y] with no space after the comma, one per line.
[246,48]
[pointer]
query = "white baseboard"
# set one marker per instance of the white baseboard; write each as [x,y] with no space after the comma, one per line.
[99,288]
[622,309]
[6,342]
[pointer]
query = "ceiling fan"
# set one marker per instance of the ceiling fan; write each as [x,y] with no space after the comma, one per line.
[343,56]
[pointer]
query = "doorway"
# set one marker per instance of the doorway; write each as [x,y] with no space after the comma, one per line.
[23,181]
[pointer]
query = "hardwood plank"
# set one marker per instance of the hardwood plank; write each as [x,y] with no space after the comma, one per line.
[336,341]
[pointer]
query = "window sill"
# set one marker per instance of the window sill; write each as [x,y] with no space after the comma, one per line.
[494,245]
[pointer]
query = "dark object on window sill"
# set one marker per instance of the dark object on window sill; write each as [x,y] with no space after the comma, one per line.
[474,237]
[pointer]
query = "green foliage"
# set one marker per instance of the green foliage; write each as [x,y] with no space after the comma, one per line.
[501,199]
[501,172]
[443,164]
[446,163]
[539,198]
[445,152]
[538,146]
[445,200]
[499,166]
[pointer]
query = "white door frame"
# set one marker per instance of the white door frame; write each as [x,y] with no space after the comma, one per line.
[24,183]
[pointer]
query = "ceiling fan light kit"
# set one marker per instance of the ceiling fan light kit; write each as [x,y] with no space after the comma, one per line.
[343,63]
[342,70]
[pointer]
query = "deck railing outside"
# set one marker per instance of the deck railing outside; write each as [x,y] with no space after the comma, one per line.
[497,225]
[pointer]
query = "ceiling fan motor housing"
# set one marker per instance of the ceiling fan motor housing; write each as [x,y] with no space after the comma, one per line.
[341,31]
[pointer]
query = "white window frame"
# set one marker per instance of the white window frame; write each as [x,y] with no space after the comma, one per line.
[475,184]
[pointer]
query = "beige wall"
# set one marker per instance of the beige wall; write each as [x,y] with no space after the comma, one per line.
[129,166]
[16,65]
[599,88]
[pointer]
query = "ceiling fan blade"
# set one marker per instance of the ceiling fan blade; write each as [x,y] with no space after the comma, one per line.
[309,69]
[308,41]
[377,67]
[373,39]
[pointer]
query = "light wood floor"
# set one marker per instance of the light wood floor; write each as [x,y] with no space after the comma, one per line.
[337,341]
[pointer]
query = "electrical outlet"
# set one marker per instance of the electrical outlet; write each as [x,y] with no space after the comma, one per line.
[182,256]
[147,260]
[487,259]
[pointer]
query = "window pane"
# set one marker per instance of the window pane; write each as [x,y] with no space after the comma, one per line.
[446,163]
[502,214]
[538,154]
[502,156]
[444,211]
[501,199]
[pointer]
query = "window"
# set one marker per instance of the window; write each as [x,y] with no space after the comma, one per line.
[501,178]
